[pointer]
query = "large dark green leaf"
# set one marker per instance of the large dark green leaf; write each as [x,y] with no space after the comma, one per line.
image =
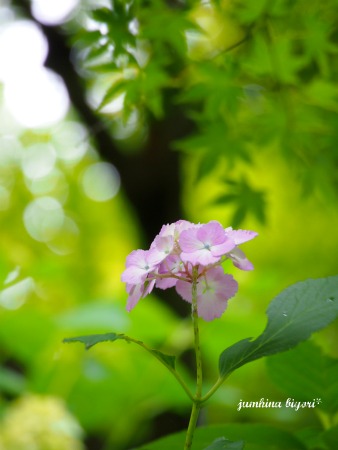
[255,436]
[293,316]
[330,438]
[225,444]
[306,373]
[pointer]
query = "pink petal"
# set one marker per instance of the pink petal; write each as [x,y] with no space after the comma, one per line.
[212,233]
[184,289]
[239,259]
[222,249]
[136,258]
[214,293]
[203,256]
[134,275]
[160,249]
[172,264]
[167,230]
[136,292]
[210,310]
[153,258]
[189,241]
[240,236]
[139,264]
[165,283]
[182,225]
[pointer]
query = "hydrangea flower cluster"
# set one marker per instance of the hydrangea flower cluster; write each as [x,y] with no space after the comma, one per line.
[183,253]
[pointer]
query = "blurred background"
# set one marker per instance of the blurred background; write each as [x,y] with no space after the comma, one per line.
[115,118]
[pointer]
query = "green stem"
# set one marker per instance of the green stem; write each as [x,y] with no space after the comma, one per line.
[192,424]
[218,383]
[196,401]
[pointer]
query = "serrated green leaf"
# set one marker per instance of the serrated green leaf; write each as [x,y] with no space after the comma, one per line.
[225,444]
[246,199]
[293,316]
[95,51]
[207,164]
[86,38]
[103,15]
[239,216]
[109,67]
[224,198]
[93,339]
[116,89]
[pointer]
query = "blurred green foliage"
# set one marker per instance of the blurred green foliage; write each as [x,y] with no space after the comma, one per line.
[258,82]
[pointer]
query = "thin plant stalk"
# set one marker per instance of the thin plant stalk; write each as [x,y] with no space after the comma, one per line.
[196,401]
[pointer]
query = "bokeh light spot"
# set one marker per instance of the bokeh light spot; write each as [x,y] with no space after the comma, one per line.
[38,161]
[101,181]
[23,47]
[39,99]
[5,196]
[67,238]
[53,12]
[71,141]
[43,218]
[54,184]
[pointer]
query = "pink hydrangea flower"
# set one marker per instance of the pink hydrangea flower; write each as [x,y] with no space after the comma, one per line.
[205,244]
[139,264]
[214,289]
[183,253]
